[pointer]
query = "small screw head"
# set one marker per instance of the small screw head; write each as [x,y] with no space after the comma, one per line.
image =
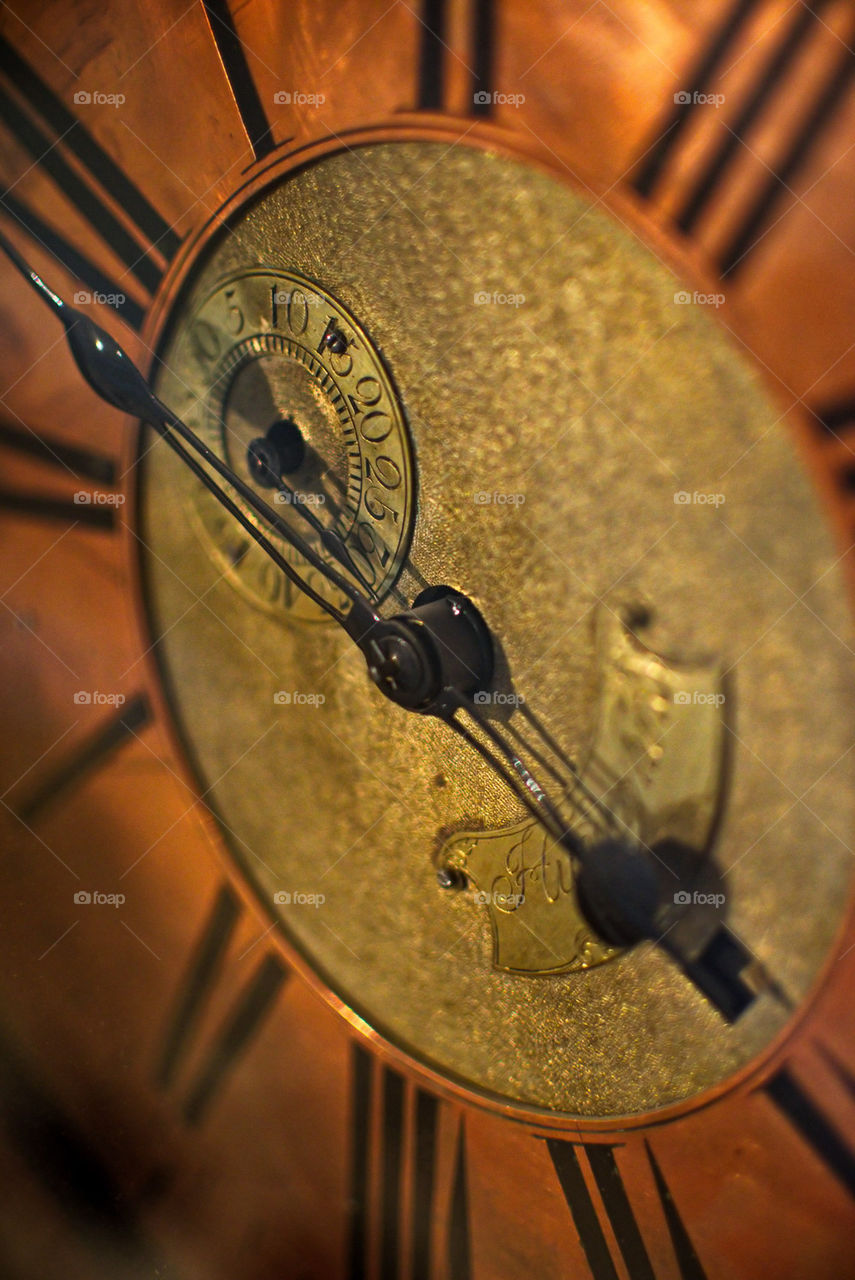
[335,341]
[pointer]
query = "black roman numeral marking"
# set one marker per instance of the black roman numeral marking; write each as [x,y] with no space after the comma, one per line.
[74,463]
[236,68]
[92,754]
[240,1025]
[459,1247]
[75,262]
[41,507]
[714,172]
[811,1123]
[79,464]
[567,1160]
[66,1164]
[835,425]
[404,1109]
[145,250]
[435,54]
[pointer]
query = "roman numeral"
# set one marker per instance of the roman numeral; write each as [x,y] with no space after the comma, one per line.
[86,464]
[568,1159]
[92,754]
[233,58]
[395,1176]
[74,463]
[75,262]
[812,1124]
[239,1027]
[82,170]
[835,428]
[65,1162]
[714,173]
[438,63]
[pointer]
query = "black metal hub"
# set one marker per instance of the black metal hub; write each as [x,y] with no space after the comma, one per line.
[278,453]
[441,643]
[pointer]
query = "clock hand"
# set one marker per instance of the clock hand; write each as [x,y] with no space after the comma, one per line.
[112,374]
[433,659]
[424,661]
[265,466]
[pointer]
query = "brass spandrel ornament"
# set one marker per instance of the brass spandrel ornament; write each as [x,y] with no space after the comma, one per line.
[655,768]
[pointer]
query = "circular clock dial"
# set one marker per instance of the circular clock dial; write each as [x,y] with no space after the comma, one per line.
[271,355]
[600,470]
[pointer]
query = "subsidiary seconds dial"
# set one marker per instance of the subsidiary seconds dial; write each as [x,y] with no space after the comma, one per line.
[272,355]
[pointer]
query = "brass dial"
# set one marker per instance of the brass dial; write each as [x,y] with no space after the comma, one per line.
[531,394]
[267,350]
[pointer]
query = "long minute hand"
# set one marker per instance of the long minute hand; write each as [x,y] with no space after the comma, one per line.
[112,374]
[420,659]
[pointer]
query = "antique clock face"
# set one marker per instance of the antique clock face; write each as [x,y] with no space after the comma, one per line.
[544,314]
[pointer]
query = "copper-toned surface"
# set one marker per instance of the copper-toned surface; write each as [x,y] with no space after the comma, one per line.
[180,1094]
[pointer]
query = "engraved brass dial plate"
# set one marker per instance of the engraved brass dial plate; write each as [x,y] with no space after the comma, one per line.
[572,418]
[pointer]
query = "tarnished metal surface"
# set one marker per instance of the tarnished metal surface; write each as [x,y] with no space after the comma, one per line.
[579,428]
